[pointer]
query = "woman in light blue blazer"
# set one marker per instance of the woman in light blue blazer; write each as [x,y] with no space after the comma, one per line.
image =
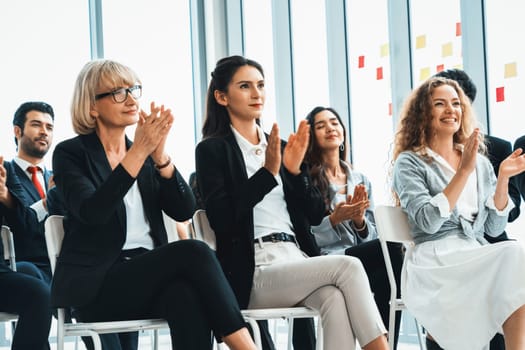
[453,282]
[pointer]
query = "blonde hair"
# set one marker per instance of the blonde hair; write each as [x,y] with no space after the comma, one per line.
[88,81]
[414,130]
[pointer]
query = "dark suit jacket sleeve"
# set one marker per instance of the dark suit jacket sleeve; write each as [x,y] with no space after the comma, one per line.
[519,180]
[228,197]
[21,217]
[499,149]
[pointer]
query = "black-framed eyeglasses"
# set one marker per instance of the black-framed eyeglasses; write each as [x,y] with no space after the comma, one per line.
[121,95]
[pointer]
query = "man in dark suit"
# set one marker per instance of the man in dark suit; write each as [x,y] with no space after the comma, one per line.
[497,149]
[520,179]
[33,129]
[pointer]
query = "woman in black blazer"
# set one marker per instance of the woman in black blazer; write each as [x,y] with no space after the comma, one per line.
[260,211]
[115,262]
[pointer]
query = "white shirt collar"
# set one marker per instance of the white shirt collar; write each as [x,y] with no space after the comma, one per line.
[248,147]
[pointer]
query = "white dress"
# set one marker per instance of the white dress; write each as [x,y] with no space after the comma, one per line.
[459,289]
[455,289]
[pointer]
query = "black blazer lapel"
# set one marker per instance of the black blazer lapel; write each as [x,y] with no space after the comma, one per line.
[100,168]
[26,183]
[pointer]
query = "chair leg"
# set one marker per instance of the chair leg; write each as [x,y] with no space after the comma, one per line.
[155,339]
[319,341]
[256,332]
[392,325]
[420,338]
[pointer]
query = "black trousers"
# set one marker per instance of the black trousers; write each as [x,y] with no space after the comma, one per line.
[181,282]
[371,256]
[29,298]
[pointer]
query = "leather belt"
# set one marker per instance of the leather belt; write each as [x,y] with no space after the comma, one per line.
[278,237]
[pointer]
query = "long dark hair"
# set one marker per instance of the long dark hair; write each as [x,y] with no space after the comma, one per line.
[217,121]
[314,155]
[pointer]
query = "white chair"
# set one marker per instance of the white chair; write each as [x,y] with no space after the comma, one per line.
[204,232]
[392,226]
[9,254]
[54,232]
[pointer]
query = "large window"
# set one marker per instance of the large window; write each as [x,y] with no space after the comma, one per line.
[506,81]
[42,53]
[310,62]
[370,96]
[436,38]
[258,41]
[153,38]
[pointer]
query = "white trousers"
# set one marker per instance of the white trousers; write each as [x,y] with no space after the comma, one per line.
[334,285]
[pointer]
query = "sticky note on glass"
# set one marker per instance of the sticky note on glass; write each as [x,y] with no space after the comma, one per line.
[424,73]
[458,29]
[500,94]
[440,68]
[446,50]
[511,70]
[421,41]
[390,108]
[383,51]
[379,73]
[361,62]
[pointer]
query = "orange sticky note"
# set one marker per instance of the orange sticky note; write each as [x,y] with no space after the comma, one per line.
[361,62]
[458,29]
[390,108]
[446,50]
[379,73]
[500,94]
[421,41]
[440,68]
[511,70]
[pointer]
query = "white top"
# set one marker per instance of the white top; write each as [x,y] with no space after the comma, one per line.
[271,214]
[467,203]
[137,234]
[38,206]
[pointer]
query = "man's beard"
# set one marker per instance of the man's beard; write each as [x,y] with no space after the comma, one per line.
[29,148]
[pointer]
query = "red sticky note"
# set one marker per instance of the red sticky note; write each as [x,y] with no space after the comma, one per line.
[361,63]
[458,29]
[440,68]
[390,108]
[500,94]
[379,73]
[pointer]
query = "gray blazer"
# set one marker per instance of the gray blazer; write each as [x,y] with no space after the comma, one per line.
[416,181]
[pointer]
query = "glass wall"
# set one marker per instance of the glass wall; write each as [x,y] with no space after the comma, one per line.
[259,47]
[506,59]
[436,38]
[153,38]
[42,52]
[310,61]
[370,96]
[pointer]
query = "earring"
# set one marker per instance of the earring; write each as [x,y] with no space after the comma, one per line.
[342,147]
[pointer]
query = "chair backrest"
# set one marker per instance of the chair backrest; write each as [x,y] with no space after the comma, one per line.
[392,224]
[54,231]
[202,228]
[9,247]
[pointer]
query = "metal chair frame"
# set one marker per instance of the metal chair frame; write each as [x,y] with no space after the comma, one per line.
[392,226]
[54,232]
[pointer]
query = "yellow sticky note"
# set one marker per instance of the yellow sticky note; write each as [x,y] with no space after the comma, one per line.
[384,50]
[446,50]
[424,73]
[421,41]
[511,70]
